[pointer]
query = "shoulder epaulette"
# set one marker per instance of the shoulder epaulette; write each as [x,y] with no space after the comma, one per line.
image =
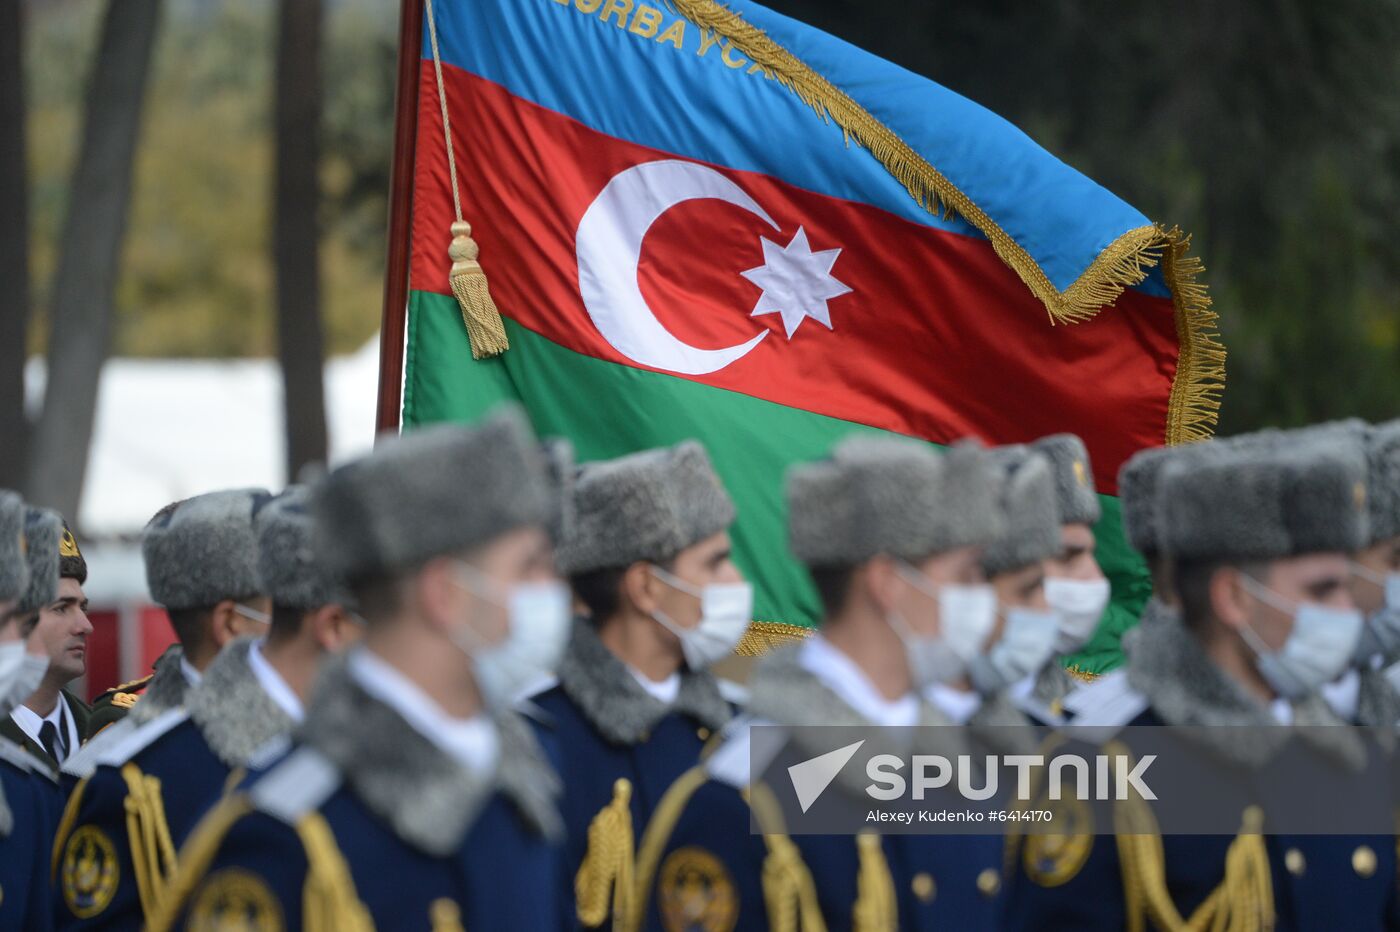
[16,756]
[118,694]
[131,743]
[296,786]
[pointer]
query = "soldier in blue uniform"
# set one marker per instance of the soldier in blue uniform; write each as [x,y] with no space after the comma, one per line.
[28,791]
[149,790]
[1075,586]
[893,535]
[208,610]
[648,555]
[1259,538]
[1023,638]
[413,797]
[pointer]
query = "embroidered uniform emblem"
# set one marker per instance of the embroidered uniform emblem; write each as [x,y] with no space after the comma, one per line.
[1052,860]
[90,872]
[124,700]
[67,546]
[695,892]
[234,898]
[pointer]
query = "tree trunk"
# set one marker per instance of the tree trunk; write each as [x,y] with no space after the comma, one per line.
[85,282]
[296,231]
[14,246]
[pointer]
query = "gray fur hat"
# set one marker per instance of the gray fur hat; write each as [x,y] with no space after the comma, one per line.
[432,492]
[1075,494]
[1028,499]
[204,549]
[14,568]
[1137,496]
[645,506]
[561,472]
[1383,457]
[42,531]
[288,569]
[889,495]
[1264,501]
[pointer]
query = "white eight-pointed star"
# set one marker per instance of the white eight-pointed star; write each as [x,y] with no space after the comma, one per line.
[796,282]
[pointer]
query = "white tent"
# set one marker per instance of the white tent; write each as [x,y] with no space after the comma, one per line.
[170,428]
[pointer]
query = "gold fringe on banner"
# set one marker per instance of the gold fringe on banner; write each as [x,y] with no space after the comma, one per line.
[1124,263]
[764,636]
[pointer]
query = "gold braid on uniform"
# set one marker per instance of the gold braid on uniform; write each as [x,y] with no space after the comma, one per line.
[875,909]
[658,832]
[65,826]
[1244,900]
[195,857]
[329,900]
[609,864]
[787,883]
[152,850]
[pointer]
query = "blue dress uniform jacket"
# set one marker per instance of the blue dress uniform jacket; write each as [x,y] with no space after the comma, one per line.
[366,824]
[149,789]
[701,867]
[1077,880]
[607,735]
[29,806]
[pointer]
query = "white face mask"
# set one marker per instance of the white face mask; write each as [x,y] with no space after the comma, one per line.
[725,612]
[1080,603]
[1321,644]
[966,615]
[1026,643]
[538,616]
[1381,634]
[21,673]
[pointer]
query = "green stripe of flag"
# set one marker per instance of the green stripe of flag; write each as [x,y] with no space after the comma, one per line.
[608,410]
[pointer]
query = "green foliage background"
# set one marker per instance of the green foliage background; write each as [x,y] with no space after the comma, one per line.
[1268,128]
[196,269]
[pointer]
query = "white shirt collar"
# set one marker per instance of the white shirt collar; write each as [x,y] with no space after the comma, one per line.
[472,742]
[30,722]
[272,683]
[192,676]
[958,705]
[843,677]
[1344,695]
[664,691]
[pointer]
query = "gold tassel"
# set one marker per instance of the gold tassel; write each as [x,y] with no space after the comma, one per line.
[1248,903]
[608,866]
[329,900]
[195,857]
[152,850]
[788,890]
[485,329]
[875,901]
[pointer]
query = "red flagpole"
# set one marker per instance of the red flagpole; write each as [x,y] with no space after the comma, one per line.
[395,315]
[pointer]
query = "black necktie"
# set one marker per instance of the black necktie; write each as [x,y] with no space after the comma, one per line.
[48,736]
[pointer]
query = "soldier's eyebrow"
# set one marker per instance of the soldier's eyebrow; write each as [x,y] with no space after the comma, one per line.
[719,557]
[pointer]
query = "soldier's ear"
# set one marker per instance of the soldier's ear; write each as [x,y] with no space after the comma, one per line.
[1229,602]
[640,589]
[223,623]
[876,581]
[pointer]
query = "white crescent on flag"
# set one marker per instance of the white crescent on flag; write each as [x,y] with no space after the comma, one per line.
[609,246]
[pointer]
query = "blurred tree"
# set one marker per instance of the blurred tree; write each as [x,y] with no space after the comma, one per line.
[296,230]
[14,246]
[85,281]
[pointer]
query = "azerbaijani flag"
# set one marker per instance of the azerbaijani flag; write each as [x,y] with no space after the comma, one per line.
[717,222]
